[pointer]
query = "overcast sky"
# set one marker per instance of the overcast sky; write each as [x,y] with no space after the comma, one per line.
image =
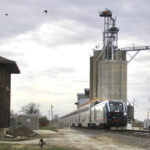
[53,50]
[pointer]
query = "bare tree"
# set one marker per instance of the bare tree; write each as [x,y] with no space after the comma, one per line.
[13,113]
[31,108]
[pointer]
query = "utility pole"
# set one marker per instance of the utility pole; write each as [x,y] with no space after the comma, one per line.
[49,112]
[147,115]
[148,111]
[52,111]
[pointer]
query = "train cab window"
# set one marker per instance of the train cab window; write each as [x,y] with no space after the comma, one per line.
[115,107]
[96,103]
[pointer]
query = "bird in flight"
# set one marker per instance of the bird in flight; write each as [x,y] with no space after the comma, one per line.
[6,14]
[45,11]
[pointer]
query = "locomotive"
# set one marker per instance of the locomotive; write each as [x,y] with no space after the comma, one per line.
[105,114]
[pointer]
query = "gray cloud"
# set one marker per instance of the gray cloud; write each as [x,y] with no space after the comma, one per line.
[29,75]
[26,15]
[55,72]
[80,81]
[7,53]
[144,59]
[34,90]
[65,32]
[79,23]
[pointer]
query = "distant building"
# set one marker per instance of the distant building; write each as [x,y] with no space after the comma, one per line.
[13,122]
[130,113]
[138,123]
[82,98]
[7,67]
[28,120]
[147,124]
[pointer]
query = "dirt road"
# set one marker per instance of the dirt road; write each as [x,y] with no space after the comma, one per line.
[81,141]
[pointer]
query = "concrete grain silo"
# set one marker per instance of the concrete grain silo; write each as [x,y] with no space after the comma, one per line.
[112,79]
[108,67]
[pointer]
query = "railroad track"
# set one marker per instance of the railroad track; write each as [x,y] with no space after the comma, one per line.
[138,133]
[97,131]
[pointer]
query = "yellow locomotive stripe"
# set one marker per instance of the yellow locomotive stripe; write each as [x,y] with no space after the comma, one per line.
[92,101]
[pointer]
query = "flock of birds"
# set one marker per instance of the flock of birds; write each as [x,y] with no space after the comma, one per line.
[45,11]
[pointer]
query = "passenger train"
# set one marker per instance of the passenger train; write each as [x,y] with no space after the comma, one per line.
[105,114]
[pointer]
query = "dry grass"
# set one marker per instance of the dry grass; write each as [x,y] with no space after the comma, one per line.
[31,147]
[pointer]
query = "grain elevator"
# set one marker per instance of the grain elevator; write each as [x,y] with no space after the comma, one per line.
[108,66]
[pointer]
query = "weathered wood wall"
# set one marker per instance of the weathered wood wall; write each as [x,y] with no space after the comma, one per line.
[5,88]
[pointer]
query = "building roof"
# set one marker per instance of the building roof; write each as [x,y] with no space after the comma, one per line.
[10,65]
[87,89]
[80,94]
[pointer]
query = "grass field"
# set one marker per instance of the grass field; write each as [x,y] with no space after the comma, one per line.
[30,147]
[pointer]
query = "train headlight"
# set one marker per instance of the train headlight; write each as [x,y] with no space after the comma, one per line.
[124,113]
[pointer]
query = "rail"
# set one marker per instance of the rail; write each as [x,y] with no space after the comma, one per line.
[138,133]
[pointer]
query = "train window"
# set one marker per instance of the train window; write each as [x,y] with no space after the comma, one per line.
[116,107]
[85,109]
[95,114]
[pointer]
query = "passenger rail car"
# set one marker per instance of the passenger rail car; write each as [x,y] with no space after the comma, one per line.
[106,114]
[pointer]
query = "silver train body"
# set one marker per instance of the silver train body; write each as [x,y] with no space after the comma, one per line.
[106,114]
